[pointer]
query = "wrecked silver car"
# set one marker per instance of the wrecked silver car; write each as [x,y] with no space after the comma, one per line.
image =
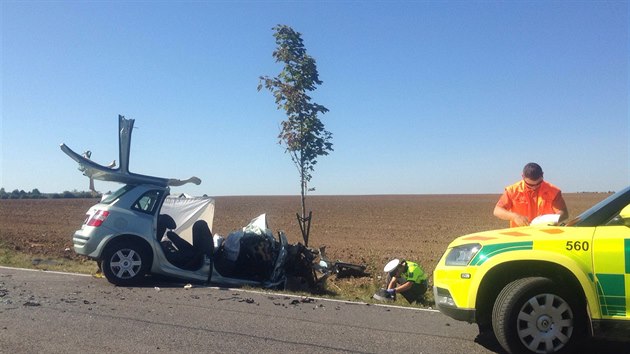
[140,230]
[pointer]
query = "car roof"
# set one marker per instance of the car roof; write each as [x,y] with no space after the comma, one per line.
[121,174]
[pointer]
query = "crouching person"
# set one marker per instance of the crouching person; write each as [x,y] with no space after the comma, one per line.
[405,278]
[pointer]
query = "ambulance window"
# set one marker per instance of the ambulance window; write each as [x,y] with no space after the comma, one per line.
[623,218]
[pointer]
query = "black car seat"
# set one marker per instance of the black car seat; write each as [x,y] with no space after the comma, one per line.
[175,248]
[202,245]
[202,238]
[164,222]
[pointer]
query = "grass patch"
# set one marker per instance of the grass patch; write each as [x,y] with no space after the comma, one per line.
[362,289]
[10,258]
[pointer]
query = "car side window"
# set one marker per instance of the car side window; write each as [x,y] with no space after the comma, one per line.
[147,203]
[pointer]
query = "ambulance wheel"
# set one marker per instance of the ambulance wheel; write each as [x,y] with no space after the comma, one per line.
[534,315]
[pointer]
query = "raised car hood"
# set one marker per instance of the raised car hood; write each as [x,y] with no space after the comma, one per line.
[121,174]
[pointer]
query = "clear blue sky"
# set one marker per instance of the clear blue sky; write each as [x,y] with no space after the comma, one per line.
[424,97]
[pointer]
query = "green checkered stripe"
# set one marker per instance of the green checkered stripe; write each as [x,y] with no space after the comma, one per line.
[611,288]
[489,251]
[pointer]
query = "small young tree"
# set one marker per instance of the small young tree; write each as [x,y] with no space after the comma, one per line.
[303,133]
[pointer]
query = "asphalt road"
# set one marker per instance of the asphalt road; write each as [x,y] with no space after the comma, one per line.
[45,312]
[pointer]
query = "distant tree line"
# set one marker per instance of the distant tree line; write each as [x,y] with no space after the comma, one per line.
[36,194]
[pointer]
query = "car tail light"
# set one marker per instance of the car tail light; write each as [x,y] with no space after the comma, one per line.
[98,218]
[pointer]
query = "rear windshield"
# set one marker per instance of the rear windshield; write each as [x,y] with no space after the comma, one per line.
[110,198]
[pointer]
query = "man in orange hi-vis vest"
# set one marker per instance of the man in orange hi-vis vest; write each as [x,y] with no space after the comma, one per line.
[522,201]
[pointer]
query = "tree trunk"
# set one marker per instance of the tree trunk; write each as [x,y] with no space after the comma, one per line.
[305,226]
[303,220]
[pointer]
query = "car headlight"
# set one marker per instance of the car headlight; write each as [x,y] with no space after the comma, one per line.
[461,255]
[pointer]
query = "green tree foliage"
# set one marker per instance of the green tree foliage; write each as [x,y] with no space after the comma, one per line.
[302,133]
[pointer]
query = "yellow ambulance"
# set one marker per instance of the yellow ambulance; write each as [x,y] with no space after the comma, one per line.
[543,288]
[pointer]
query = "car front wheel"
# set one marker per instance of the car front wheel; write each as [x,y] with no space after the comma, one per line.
[125,263]
[533,315]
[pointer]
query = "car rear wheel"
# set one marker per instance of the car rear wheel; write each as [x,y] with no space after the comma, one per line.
[125,263]
[534,315]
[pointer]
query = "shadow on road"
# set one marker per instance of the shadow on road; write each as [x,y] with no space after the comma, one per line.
[488,341]
[600,346]
[592,346]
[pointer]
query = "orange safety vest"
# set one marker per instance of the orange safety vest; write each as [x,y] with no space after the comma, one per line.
[520,199]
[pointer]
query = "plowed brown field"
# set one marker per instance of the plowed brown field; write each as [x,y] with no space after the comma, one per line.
[358,229]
